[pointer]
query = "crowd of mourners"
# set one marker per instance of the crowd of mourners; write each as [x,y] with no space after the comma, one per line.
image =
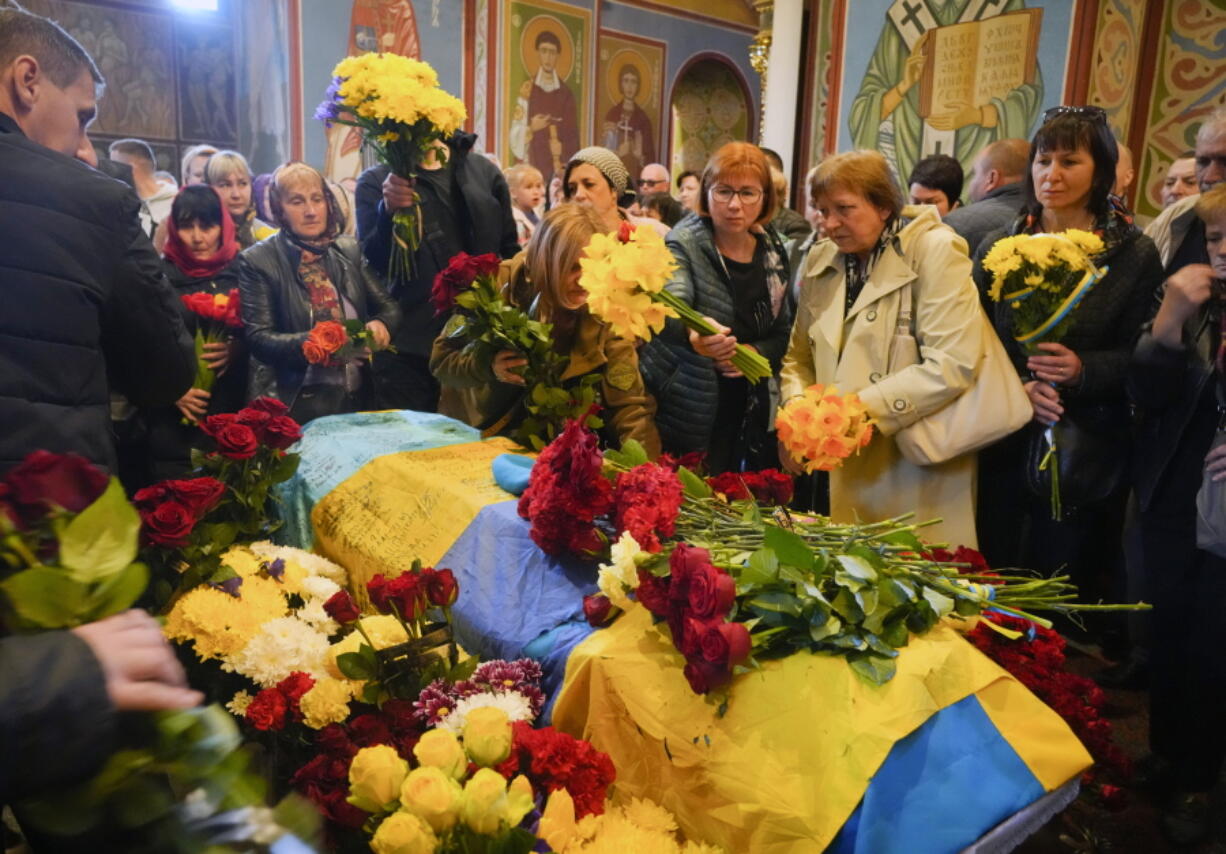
[97,356]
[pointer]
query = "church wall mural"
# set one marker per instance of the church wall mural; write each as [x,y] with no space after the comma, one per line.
[629,115]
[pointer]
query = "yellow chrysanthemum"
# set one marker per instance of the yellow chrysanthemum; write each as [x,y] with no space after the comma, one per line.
[219,624]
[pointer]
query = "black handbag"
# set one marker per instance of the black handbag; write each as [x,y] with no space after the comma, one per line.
[1093,448]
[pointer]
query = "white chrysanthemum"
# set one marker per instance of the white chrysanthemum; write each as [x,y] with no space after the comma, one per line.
[313,612]
[238,704]
[319,587]
[618,578]
[515,705]
[314,564]
[280,647]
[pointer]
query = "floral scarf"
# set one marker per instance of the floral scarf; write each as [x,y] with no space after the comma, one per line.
[858,270]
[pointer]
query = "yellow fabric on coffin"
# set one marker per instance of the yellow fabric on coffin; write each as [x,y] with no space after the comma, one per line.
[784,768]
[398,507]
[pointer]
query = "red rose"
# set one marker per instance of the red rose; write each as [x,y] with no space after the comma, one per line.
[683,563]
[151,496]
[314,353]
[236,441]
[703,675]
[336,807]
[281,432]
[256,419]
[341,607]
[233,316]
[596,608]
[731,484]
[776,487]
[442,588]
[44,480]
[652,592]
[624,231]
[712,592]
[270,405]
[169,524]
[268,710]
[377,590]
[725,644]
[199,303]
[408,594]
[199,495]
[463,270]
[329,335]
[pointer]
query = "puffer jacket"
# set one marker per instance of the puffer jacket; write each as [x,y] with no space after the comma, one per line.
[683,382]
[86,307]
[276,308]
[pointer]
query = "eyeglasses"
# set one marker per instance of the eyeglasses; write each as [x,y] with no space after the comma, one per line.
[747,195]
[651,182]
[1094,114]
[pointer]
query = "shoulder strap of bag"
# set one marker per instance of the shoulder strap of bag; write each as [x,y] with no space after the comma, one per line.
[906,309]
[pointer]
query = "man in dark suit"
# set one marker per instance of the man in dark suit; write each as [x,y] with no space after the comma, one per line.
[995,191]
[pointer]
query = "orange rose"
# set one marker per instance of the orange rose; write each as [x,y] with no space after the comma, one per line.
[330,335]
[314,353]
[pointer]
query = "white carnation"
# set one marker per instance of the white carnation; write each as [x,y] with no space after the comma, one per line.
[313,612]
[515,704]
[318,587]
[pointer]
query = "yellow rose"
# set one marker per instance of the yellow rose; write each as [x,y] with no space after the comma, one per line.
[432,796]
[404,833]
[484,803]
[375,777]
[439,748]
[519,800]
[487,736]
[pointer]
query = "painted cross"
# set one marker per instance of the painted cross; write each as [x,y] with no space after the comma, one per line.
[912,18]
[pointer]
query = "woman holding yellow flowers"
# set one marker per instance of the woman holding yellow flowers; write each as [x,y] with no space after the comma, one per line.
[880,259]
[1078,381]
[545,277]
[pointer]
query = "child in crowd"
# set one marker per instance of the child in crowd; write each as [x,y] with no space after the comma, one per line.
[527,193]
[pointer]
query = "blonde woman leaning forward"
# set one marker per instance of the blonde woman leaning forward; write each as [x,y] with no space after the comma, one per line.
[850,296]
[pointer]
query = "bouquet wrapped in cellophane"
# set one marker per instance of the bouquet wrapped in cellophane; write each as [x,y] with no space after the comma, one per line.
[397,103]
[1043,278]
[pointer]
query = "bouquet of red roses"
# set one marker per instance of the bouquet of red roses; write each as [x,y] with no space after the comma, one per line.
[217,317]
[331,343]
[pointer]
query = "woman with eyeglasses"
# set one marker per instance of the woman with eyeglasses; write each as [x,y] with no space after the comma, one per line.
[1079,382]
[880,261]
[732,268]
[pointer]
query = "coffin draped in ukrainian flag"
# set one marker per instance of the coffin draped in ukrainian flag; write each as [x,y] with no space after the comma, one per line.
[807,758]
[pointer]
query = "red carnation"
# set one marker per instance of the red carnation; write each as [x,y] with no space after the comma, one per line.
[369,730]
[281,432]
[44,480]
[648,498]
[341,607]
[268,709]
[295,685]
[169,524]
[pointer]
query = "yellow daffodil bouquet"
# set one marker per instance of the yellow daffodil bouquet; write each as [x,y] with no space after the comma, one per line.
[397,103]
[821,428]
[625,275]
[1043,278]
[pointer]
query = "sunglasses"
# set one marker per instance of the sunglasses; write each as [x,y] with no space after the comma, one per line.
[1095,114]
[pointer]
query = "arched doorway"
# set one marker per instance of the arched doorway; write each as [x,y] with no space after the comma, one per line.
[710,105]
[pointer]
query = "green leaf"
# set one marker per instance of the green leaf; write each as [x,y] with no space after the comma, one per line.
[823,625]
[855,572]
[904,538]
[118,592]
[45,598]
[872,667]
[631,454]
[102,539]
[284,468]
[940,603]
[695,486]
[895,633]
[789,547]
[846,606]
[775,601]
[762,568]
[356,666]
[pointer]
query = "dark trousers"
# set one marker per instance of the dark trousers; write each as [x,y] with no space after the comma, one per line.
[404,381]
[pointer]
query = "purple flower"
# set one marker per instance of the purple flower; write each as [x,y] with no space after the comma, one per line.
[329,108]
[230,586]
[275,570]
[433,702]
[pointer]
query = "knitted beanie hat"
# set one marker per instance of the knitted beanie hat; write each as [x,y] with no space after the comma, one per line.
[609,164]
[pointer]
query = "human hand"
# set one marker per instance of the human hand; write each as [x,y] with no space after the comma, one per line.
[727,369]
[216,354]
[398,193]
[1215,464]
[721,346]
[1063,366]
[913,68]
[141,671]
[539,122]
[194,404]
[1046,402]
[958,114]
[1185,292]
[505,365]
[378,331]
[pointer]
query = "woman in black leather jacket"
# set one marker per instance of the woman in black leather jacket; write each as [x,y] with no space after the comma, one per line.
[305,274]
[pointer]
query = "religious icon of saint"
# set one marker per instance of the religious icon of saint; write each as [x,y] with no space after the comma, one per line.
[627,129]
[545,123]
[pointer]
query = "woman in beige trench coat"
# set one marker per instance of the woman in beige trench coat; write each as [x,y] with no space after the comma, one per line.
[853,284]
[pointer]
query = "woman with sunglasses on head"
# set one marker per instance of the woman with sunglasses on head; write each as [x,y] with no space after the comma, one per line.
[1079,382]
[308,273]
[732,268]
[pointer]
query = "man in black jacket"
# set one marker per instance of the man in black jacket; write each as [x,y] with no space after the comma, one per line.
[84,295]
[463,205]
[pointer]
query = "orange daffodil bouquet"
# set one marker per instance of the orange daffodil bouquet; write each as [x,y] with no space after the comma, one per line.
[821,428]
[624,275]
